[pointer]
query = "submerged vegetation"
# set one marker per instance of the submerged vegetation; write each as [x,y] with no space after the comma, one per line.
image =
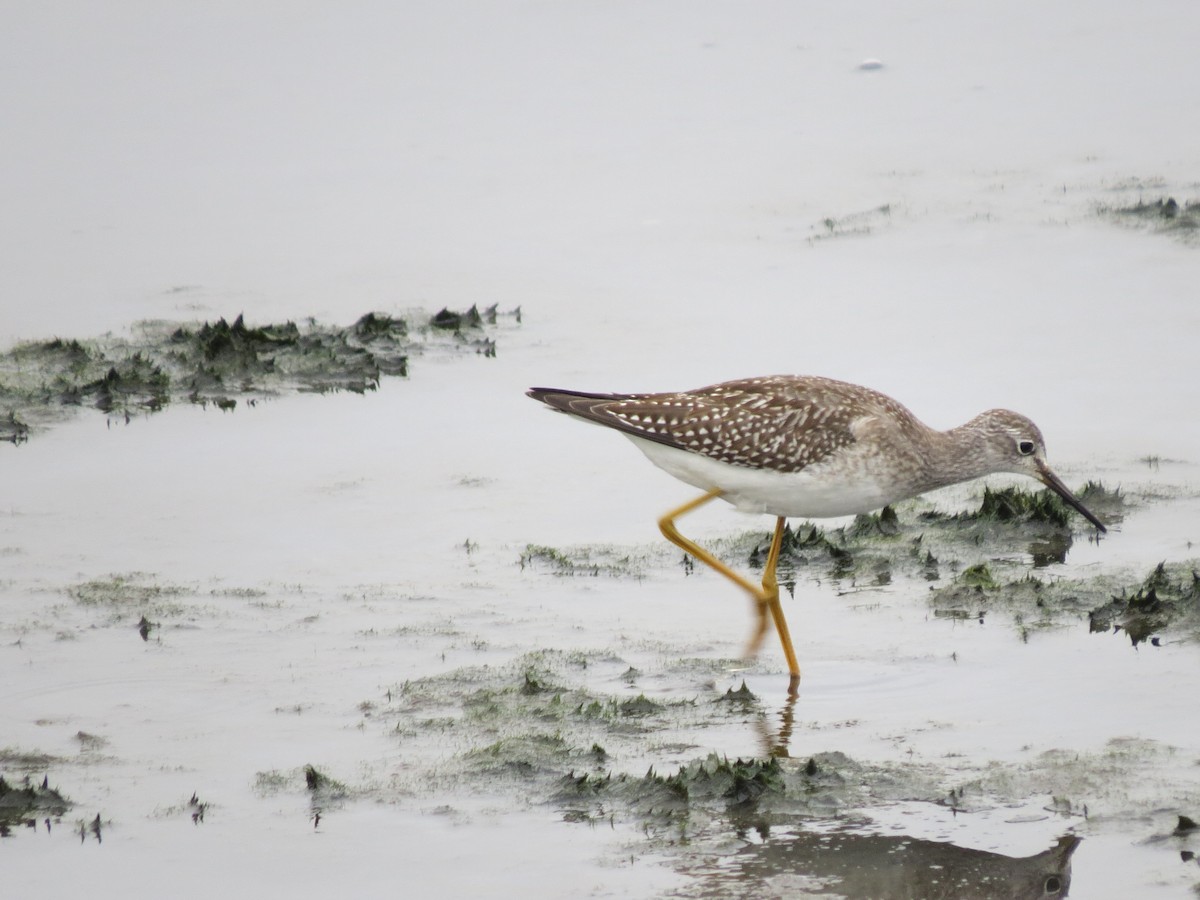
[223,363]
[586,561]
[30,802]
[1164,215]
[1169,598]
[972,560]
[1166,602]
[527,729]
[536,724]
[929,544]
[853,224]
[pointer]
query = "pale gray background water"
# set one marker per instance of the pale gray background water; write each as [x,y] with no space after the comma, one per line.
[649,182]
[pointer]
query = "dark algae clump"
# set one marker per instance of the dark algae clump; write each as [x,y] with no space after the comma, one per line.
[1166,600]
[224,363]
[873,547]
[1164,215]
[13,429]
[28,803]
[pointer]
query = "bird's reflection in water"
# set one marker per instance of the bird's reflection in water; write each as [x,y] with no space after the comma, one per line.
[850,864]
[776,741]
[843,864]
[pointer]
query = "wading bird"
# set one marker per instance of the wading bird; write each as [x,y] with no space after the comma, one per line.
[802,446]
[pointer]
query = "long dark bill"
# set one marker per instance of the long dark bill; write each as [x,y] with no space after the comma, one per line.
[1052,481]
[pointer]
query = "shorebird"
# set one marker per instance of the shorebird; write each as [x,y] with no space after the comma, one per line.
[803,446]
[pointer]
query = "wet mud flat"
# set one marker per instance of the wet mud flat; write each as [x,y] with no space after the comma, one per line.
[672,752]
[781,823]
[619,740]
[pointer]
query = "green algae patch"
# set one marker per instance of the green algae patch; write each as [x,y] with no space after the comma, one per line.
[1040,518]
[981,562]
[1168,600]
[145,603]
[12,429]
[978,576]
[974,565]
[1027,601]
[926,544]
[1163,215]
[26,803]
[884,523]
[323,791]
[1165,602]
[856,224]
[537,717]
[193,808]
[540,727]
[808,545]
[26,760]
[225,363]
[133,596]
[130,590]
[546,729]
[521,756]
[322,788]
[1013,504]
[701,788]
[587,562]
[743,698]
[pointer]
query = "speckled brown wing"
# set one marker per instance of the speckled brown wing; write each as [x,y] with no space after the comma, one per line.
[783,423]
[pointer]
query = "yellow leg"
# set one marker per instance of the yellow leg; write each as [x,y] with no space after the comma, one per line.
[771,588]
[766,597]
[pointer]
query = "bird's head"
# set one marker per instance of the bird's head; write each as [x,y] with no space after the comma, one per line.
[1013,443]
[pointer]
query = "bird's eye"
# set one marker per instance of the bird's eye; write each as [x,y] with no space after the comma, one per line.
[1052,885]
[1025,448]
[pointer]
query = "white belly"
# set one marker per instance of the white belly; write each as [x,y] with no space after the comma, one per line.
[819,491]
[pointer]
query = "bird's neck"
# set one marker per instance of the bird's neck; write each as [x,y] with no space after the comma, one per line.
[960,454]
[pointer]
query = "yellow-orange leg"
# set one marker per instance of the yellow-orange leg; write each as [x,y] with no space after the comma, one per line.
[766,597]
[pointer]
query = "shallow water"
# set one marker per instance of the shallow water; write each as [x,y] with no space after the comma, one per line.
[303,561]
[337,581]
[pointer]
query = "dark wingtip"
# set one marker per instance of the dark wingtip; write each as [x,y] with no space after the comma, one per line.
[555,398]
